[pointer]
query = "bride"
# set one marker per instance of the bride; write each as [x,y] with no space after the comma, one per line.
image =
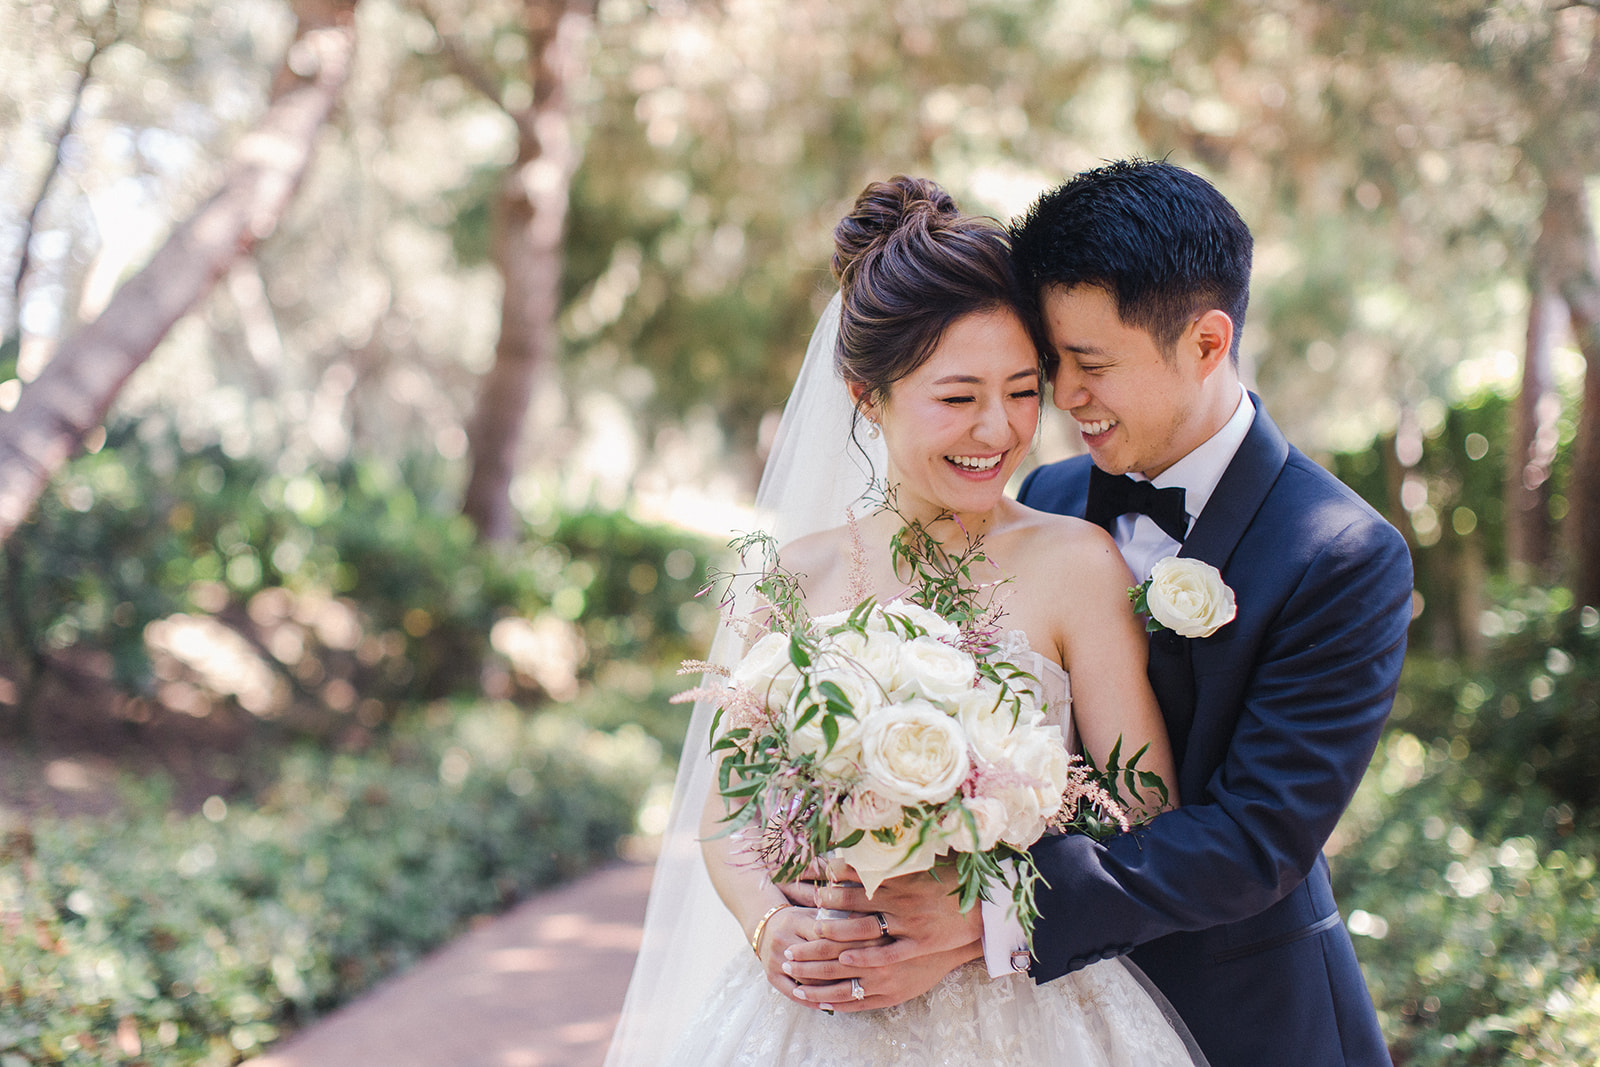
[941,376]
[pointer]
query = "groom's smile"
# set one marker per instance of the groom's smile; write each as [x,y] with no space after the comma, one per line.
[1138,408]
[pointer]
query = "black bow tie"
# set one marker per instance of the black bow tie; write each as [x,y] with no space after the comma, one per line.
[1111,495]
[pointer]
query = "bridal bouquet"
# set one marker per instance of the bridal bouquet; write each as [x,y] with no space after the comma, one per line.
[893,734]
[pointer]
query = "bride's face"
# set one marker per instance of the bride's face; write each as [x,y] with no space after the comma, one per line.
[957,427]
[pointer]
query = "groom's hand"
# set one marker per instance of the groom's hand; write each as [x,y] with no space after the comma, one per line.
[921,913]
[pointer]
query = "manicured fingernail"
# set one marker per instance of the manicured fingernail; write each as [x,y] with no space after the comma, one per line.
[786,969]
[788,953]
[799,994]
[827,1008]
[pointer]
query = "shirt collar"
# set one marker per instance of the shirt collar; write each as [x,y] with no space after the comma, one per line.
[1200,471]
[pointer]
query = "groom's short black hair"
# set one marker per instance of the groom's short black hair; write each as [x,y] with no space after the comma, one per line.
[1158,238]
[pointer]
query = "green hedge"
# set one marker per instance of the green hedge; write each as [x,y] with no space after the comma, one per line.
[1467,863]
[161,938]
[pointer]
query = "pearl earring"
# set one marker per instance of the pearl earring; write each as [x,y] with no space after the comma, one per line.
[872,430]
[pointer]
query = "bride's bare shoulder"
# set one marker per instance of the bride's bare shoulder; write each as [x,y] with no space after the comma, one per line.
[1061,545]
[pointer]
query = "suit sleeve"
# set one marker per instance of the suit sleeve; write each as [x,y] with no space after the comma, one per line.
[1310,715]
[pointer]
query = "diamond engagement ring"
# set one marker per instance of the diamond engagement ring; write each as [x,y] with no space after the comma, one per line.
[883,924]
[856,992]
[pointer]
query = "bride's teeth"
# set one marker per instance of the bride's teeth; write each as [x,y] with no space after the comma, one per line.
[975,463]
[1099,426]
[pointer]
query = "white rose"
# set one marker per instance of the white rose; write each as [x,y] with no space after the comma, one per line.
[866,809]
[767,671]
[991,817]
[935,624]
[877,653]
[1189,597]
[1040,757]
[1025,819]
[914,753]
[863,696]
[932,669]
[823,623]
[989,724]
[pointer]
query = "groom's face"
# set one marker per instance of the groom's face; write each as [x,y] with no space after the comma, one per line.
[1137,408]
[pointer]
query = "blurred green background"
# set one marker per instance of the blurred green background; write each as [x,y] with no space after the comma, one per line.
[345,608]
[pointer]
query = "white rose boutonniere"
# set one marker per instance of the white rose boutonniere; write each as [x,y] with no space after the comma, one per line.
[1186,596]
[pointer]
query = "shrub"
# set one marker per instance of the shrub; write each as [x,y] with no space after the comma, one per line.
[1468,858]
[354,588]
[163,938]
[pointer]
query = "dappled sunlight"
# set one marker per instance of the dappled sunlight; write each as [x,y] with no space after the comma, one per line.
[219,659]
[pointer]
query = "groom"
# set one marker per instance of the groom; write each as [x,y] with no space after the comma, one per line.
[1142,275]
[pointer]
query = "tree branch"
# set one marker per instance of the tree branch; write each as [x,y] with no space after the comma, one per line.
[98,42]
[76,388]
[468,70]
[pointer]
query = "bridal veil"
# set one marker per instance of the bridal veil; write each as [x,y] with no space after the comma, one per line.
[817,468]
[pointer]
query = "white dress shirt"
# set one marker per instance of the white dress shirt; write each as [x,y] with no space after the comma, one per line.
[1143,544]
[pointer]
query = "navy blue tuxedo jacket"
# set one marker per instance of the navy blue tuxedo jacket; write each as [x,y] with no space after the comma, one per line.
[1225,902]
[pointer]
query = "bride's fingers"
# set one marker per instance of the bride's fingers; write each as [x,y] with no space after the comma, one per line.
[811,951]
[801,894]
[840,997]
[855,928]
[843,898]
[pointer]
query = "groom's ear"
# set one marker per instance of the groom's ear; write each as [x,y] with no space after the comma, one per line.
[1211,335]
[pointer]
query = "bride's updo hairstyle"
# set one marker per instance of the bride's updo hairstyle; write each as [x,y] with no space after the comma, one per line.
[910,264]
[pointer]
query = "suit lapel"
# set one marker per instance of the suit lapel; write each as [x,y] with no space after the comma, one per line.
[1216,533]
[1240,493]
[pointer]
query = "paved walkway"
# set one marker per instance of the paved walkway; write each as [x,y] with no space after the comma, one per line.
[540,986]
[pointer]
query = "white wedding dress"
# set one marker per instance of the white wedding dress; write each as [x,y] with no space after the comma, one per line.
[1105,1015]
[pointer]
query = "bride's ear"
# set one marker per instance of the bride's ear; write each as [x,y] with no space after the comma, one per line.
[860,396]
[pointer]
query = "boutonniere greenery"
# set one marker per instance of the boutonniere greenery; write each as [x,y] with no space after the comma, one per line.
[1186,596]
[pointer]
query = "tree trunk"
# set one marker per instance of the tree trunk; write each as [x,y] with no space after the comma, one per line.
[1534,430]
[1576,264]
[75,390]
[530,225]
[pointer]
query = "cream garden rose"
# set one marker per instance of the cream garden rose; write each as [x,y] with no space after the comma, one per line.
[864,697]
[1189,596]
[929,668]
[767,671]
[914,753]
[990,816]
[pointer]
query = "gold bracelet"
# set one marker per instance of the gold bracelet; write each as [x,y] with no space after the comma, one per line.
[761,927]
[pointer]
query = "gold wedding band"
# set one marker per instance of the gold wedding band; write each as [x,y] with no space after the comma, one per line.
[856,992]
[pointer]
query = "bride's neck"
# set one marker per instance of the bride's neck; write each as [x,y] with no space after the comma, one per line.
[950,529]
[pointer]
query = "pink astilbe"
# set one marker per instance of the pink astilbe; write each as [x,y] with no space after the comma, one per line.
[860,585]
[992,779]
[701,666]
[1083,789]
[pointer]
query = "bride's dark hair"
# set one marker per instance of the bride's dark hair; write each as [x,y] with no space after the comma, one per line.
[909,264]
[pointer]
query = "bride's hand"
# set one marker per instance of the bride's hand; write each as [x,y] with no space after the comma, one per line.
[799,933]
[834,985]
[898,944]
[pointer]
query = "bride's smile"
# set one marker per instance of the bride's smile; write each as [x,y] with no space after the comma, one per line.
[957,427]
